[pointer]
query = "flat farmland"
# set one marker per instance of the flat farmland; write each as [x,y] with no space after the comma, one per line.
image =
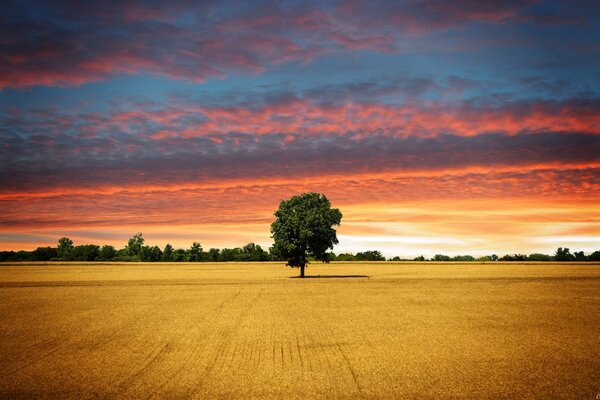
[373,330]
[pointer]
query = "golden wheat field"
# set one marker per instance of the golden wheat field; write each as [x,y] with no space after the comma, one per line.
[373,330]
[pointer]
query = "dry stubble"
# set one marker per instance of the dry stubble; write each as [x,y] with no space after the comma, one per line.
[248,330]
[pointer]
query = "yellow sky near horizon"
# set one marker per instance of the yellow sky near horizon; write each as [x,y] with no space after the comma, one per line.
[407,229]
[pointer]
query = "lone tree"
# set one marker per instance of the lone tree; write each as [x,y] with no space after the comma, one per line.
[303,228]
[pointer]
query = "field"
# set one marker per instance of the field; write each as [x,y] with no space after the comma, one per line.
[251,331]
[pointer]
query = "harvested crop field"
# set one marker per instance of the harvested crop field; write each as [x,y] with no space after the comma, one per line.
[379,330]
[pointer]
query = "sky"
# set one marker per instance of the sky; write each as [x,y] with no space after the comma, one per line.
[453,127]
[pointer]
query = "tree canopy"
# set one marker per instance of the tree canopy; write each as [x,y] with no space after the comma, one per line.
[65,246]
[303,228]
[564,254]
[134,245]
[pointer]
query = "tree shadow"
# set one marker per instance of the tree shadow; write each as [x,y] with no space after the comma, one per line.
[329,276]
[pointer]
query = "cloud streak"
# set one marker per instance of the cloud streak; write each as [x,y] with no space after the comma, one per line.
[63,43]
[45,149]
[478,211]
[43,165]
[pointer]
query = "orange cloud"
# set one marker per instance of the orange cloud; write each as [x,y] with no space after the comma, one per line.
[473,210]
[305,117]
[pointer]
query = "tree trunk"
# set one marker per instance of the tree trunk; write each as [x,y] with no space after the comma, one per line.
[302,271]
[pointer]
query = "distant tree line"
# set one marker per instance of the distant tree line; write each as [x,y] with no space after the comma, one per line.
[561,254]
[369,255]
[137,250]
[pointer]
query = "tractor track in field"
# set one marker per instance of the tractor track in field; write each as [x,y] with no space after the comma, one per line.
[337,346]
[116,333]
[412,331]
[128,385]
[193,350]
[152,359]
[351,369]
[32,362]
[225,343]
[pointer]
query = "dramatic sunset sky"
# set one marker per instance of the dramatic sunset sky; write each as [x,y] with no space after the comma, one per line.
[455,127]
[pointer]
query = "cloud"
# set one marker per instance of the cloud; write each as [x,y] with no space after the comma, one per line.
[78,45]
[494,210]
[64,43]
[288,136]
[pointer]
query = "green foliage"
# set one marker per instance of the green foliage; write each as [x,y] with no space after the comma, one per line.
[167,254]
[345,257]
[250,252]
[369,255]
[107,253]
[303,228]
[194,254]
[134,245]
[179,255]
[274,256]
[8,256]
[563,254]
[123,255]
[253,252]
[150,254]
[84,252]
[44,253]
[514,257]
[298,233]
[213,255]
[464,258]
[230,254]
[65,245]
[397,258]
[20,255]
[539,257]
[442,257]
